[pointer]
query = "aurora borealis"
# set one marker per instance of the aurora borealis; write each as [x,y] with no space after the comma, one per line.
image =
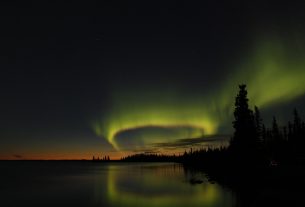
[269,80]
[141,77]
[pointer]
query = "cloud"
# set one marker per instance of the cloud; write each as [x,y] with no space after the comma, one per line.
[18,156]
[213,140]
[147,151]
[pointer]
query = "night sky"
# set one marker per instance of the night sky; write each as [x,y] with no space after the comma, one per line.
[114,78]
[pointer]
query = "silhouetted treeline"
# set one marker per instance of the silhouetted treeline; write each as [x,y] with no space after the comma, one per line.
[253,142]
[151,158]
[191,156]
[286,143]
[103,158]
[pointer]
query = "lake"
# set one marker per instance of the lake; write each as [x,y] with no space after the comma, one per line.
[52,183]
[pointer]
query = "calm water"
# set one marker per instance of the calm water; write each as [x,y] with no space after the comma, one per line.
[107,184]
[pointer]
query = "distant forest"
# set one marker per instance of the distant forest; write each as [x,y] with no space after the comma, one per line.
[251,144]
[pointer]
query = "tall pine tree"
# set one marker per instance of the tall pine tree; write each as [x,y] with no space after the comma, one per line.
[258,126]
[245,139]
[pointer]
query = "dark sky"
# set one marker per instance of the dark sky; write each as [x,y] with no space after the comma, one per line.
[65,66]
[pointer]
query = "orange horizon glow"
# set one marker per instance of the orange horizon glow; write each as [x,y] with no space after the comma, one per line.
[79,155]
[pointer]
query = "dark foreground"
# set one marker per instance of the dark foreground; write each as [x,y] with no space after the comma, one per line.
[261,186]
[85,183]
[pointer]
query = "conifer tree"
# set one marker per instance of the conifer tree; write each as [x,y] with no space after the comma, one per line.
[244,138]
[258,125]
[275,130]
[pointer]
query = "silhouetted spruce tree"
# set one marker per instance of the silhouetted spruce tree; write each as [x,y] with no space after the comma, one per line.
[264,134]
[245,139]
[285,134]
[297,123]
[275,140]
[290,131]
[258,126]
[275,129]
[296,138]
[302,137]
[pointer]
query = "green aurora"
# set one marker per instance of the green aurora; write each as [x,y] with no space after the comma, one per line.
[272,73]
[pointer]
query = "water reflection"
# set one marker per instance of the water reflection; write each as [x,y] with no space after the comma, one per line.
[161,184]
[90,184]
